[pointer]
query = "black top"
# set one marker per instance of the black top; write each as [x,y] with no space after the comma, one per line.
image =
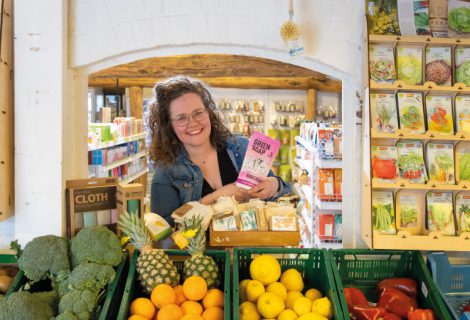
[228,173]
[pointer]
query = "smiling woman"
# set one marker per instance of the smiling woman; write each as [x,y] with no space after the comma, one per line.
[196,157]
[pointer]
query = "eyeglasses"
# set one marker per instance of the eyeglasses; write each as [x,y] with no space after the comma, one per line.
[182,120]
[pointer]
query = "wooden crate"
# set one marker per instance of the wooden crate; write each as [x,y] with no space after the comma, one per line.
[253,238]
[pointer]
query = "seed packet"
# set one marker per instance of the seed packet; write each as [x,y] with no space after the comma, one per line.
[439,65]
[383,112]
[462,211]
[439,114]
[338,227]
[382,17]
[338,181]
[413,17]
[410,112]
[462,113]
[411,161]
[326,143]
[248,220]
[458,16]
[384,163]
[440,161]
[410,65]
[462,65]
[438,18]
[338,142]
[382,63]
[410,211]
[326,189]
[440,213]
[462,161]
[383,212]
[258,160]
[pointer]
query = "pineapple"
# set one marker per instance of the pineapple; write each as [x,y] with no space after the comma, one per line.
[154,267]
[198,263]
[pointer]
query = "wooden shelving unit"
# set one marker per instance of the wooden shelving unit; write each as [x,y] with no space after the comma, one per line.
[404,240]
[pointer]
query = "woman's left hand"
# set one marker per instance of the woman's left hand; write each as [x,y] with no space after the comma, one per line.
[265,189]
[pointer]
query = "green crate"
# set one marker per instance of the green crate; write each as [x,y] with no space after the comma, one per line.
[133,289]
[363,269]
[313,264]
[7,259]
[108,310]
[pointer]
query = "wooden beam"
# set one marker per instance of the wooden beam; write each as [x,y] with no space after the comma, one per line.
[6,111]
[294,83]
[136,101]
[311,112]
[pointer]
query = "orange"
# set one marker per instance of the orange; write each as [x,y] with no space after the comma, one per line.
[170,312]
[195,288]
[213,313]
[180,297]
[192,317]
[162,295]
[191,307]
[137,317]
[213,298]
[142,307]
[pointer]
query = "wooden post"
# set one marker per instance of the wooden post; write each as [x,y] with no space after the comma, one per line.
[6,111]
[136,101]
[311,111]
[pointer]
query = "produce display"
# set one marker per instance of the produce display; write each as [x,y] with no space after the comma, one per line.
[64,279]
[270,294]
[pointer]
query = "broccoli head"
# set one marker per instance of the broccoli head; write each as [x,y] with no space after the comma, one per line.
[91,276]
[49,297]
[80,303]
[22,305]
[67,315]
[96,244]
[45,257]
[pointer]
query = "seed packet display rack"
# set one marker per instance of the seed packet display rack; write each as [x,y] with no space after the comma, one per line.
[404,239]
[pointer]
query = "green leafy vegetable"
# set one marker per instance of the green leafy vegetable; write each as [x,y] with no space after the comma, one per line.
[459,19]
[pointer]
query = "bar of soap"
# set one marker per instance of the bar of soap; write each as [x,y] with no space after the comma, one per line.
[281,223]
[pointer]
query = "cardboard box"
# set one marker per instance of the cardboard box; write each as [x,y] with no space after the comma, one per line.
[85,197]
[130,197]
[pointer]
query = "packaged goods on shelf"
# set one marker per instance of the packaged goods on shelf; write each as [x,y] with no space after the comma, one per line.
[462,113]
[458,12]
[440,162]
[438,60]
[121,128]
[383,112]
[462,211]
[439,112]
[440,213]
[410,111]
[382,63]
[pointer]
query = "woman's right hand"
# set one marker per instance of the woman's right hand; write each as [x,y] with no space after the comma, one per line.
[229,190]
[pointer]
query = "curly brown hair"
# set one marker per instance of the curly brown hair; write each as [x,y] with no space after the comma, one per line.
[165,145]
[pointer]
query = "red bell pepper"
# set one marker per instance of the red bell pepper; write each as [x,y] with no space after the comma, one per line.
[397,302]
[421,314]
[405,285]
[366,312]
[354,296]
[391,316]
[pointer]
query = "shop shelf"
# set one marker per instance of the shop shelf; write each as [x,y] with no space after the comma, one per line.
[328,205]
[417,39]
[430,185]
[133,289]
[306,165]
[125,160]
[107,309]
[134,176]
[399,134]
[453,281]
[363,269]
[427,86]
[116,142]
[328,244]
[313,264]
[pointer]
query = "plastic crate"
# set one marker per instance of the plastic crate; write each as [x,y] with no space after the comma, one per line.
[133,289]
[453,281]
[311,263]
[108,309]
[363,269]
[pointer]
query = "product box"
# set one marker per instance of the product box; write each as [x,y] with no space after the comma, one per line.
[87,199]
[130,197]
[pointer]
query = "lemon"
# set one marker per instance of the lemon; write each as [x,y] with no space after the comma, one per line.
[292,280]
[270,305]
[302,305]
[265,268]
[277,288]
[248,311]
[253,290]
[242,290]
[323,307]
[313,294]
[291,297]
[311,316]
[287,314]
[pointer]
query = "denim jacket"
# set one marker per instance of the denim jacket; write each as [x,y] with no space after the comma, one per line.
[176,184]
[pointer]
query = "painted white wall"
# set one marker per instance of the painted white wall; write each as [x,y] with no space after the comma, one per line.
[53,57]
